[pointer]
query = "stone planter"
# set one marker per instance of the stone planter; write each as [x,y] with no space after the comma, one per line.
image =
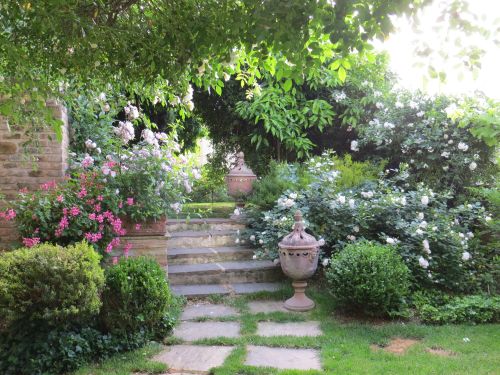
[156,227]
[240,179]
[299,255]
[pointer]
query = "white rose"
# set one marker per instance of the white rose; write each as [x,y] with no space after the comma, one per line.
[356,228]
[341,199]
[472,165]
[427,249]
[423,262]
[252,238]
[325,262]
[354,146]
[425,200]
[420,216]
[466,256]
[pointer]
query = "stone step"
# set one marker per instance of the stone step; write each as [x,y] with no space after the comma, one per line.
[203,290]
[195,239]
[208,225]
[224,272]
[208,254]
[150,246]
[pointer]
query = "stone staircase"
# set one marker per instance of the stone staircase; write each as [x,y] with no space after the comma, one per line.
[203,259]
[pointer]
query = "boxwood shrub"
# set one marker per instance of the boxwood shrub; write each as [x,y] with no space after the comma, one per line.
[368,277]
[136,296]
[49,285]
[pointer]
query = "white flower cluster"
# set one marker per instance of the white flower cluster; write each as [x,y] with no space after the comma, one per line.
[125,131]
[132,112]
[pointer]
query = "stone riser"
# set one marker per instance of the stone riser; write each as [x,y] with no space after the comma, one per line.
[228,277]
[209,257]
[202,241]
[208,227]
[151,246]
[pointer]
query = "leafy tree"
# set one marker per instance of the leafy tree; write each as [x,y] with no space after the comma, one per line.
[154,48]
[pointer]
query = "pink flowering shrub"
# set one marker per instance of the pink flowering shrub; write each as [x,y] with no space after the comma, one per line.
[82,207]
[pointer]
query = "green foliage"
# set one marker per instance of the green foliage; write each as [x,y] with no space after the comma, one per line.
[475,309]
[49,286]
[70,212]
[136,296]
[43,45]
[211,187]
[419,131]
[297,177]
[269,188]
[369,277]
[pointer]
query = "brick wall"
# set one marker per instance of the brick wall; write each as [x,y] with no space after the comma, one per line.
[17,173]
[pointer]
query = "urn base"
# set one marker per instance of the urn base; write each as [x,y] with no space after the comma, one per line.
[299,301]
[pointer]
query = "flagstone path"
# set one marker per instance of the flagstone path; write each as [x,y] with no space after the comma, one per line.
[202,321]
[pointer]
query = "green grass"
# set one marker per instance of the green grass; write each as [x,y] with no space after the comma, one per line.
[345,347]
[207,210]
[128,363]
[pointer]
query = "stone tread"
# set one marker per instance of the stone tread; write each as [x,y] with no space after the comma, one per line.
[201,290]
[202,233]
[221,267]
[206,251]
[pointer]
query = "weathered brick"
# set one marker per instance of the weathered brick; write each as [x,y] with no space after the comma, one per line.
[8,148]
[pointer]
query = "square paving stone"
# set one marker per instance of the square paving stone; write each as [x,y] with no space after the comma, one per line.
[268,329]
[282,358]
[207,310]
[192,358]
[266,307]
[191,331]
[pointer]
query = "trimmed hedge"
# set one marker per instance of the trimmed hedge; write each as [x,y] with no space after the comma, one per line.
[369,277]
[50,285]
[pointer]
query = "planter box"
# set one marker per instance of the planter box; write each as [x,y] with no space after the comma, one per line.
[148,228]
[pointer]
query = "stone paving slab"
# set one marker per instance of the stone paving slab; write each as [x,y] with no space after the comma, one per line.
[207,310]
[301,329]
[283,358]
[191,358]
[266,307]
[191,331]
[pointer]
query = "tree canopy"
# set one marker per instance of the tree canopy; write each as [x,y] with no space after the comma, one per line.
[154,48]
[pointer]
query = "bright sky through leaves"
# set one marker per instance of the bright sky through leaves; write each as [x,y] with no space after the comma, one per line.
[401,47]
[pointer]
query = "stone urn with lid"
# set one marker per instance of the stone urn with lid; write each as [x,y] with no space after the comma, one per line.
[299,255]
[240,180]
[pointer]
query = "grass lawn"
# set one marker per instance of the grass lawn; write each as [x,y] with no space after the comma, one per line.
[345,346]
[206,210]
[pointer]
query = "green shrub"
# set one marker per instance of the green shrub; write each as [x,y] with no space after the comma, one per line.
[136,296]
[49,285]
[469,309]
[369,277]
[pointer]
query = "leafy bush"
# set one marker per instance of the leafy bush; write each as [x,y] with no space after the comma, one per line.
[268,189]
[455,310]
[296,177]
[136,296]
[368,277]
[425,133]
[49,286]
[79,208]
[49,304]
[388,211]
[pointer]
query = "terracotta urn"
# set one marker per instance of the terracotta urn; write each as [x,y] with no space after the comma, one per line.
[156,227]
[299,255]
[240,179]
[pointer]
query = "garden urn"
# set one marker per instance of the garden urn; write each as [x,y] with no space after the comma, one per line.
[299,255]
[240,180]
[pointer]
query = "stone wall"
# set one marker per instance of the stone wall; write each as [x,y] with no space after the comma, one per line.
[16,172]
